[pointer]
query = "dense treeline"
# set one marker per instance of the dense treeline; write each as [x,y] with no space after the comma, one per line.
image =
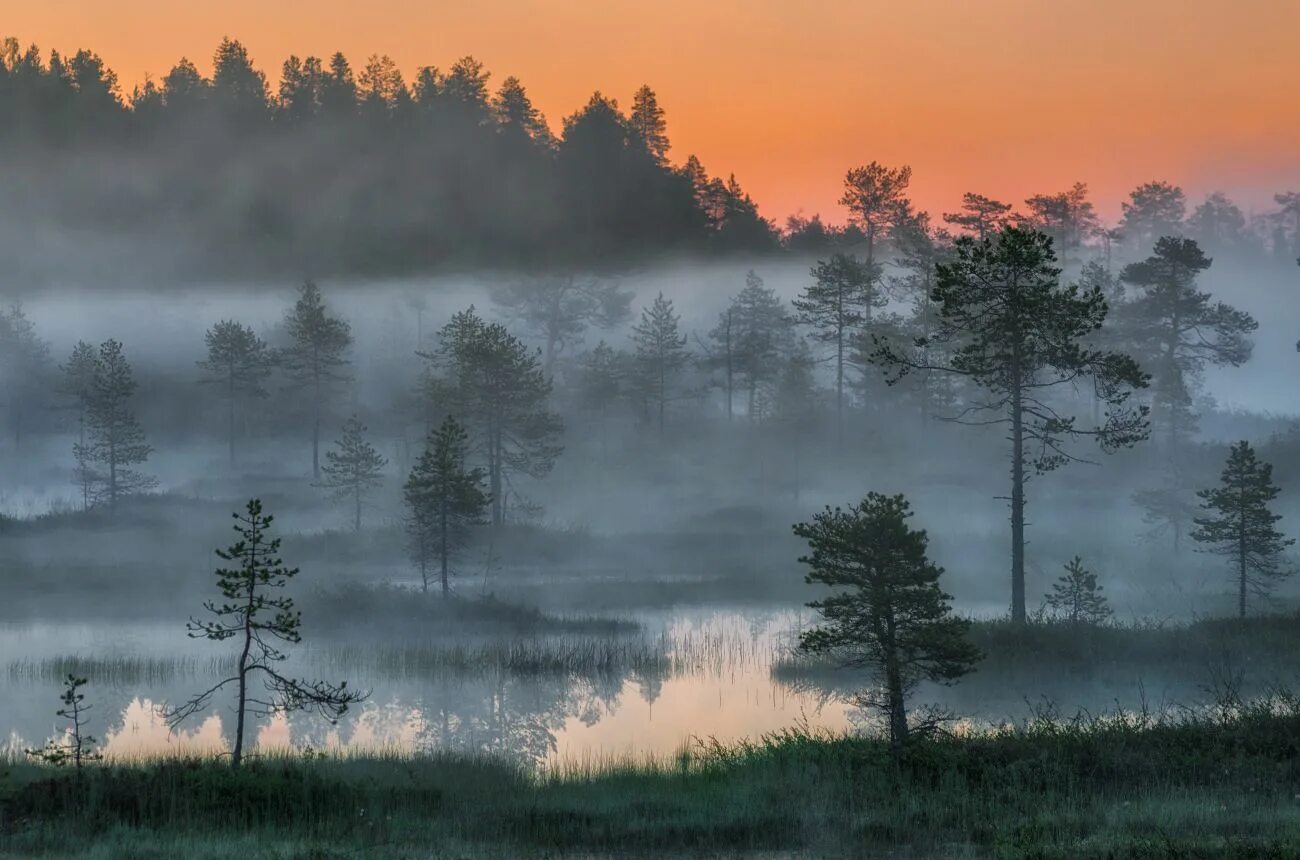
[354,169]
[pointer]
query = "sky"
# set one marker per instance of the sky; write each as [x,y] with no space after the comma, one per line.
[1004,97]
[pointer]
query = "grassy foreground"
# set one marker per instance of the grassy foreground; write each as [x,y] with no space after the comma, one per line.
[1223,784]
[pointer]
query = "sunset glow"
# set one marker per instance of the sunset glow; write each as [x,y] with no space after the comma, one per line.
[1006,97]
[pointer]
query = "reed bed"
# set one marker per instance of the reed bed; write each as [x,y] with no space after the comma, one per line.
[115,670]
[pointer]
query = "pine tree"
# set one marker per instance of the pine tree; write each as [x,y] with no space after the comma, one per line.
[1077,597]
[497,387]
[876,197]
[980,216]
[25,370]
[1154,209]
[79,384]
[315,357]
[354,468]
[1238,524]
[444,499]
[600,383]
[841,298]
[1013,330]
[259,618]
[1176,330]
[660,352]
[238,362]
[77,746]
[1068,217]
[116,441]
[559,308]
[888,614]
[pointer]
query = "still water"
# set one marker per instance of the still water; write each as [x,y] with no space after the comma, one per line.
[688,677]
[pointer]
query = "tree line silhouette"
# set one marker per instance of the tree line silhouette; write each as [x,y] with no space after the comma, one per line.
[341,169]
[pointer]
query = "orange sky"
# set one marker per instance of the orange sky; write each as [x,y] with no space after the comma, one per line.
[1006,97]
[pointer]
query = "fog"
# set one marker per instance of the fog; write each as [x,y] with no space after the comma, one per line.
[643,592]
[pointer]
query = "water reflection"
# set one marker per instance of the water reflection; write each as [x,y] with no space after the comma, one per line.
[701,675]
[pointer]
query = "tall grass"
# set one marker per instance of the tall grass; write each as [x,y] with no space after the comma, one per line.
[116,670]
[1169,784]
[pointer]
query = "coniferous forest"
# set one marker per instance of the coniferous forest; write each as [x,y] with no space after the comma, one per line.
[388,471]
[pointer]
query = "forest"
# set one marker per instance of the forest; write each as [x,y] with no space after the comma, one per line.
[383,473]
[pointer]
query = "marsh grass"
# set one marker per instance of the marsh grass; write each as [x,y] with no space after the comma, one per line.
[1182,782]
[691,652]
[118,670]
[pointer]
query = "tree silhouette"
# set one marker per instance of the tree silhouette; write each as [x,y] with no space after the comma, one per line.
[876,197]
[980,216]
[260,620]
[660,353]
[1018,334]
[77,746]
[494,384]
[26,370]
[559,308]
[1175,330]
[1238,524]
[444,499]
[1077,597]
[354,469]
[115,440]
[1154,209]
[315,356]
[888,613]
[238,362]
[841,298]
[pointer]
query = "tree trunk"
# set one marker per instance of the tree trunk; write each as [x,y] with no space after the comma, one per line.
[445,548]
[1241,560]
[357,525]
[894,689]
[231,417]
[315,433]
[839,386]
[1017,509]
[494,474]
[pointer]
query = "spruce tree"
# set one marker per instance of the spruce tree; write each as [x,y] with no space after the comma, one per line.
[1239,524]
[238,363]
[115,440]
[444,499]
[647,122]
[1009,327]
[1077,597]
[660,353]
[260,619]
[761,335]
[353,468]
[888,614]
[316,356]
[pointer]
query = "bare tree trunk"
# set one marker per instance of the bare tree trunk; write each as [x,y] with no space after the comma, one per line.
[1017,509]
[894,689]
